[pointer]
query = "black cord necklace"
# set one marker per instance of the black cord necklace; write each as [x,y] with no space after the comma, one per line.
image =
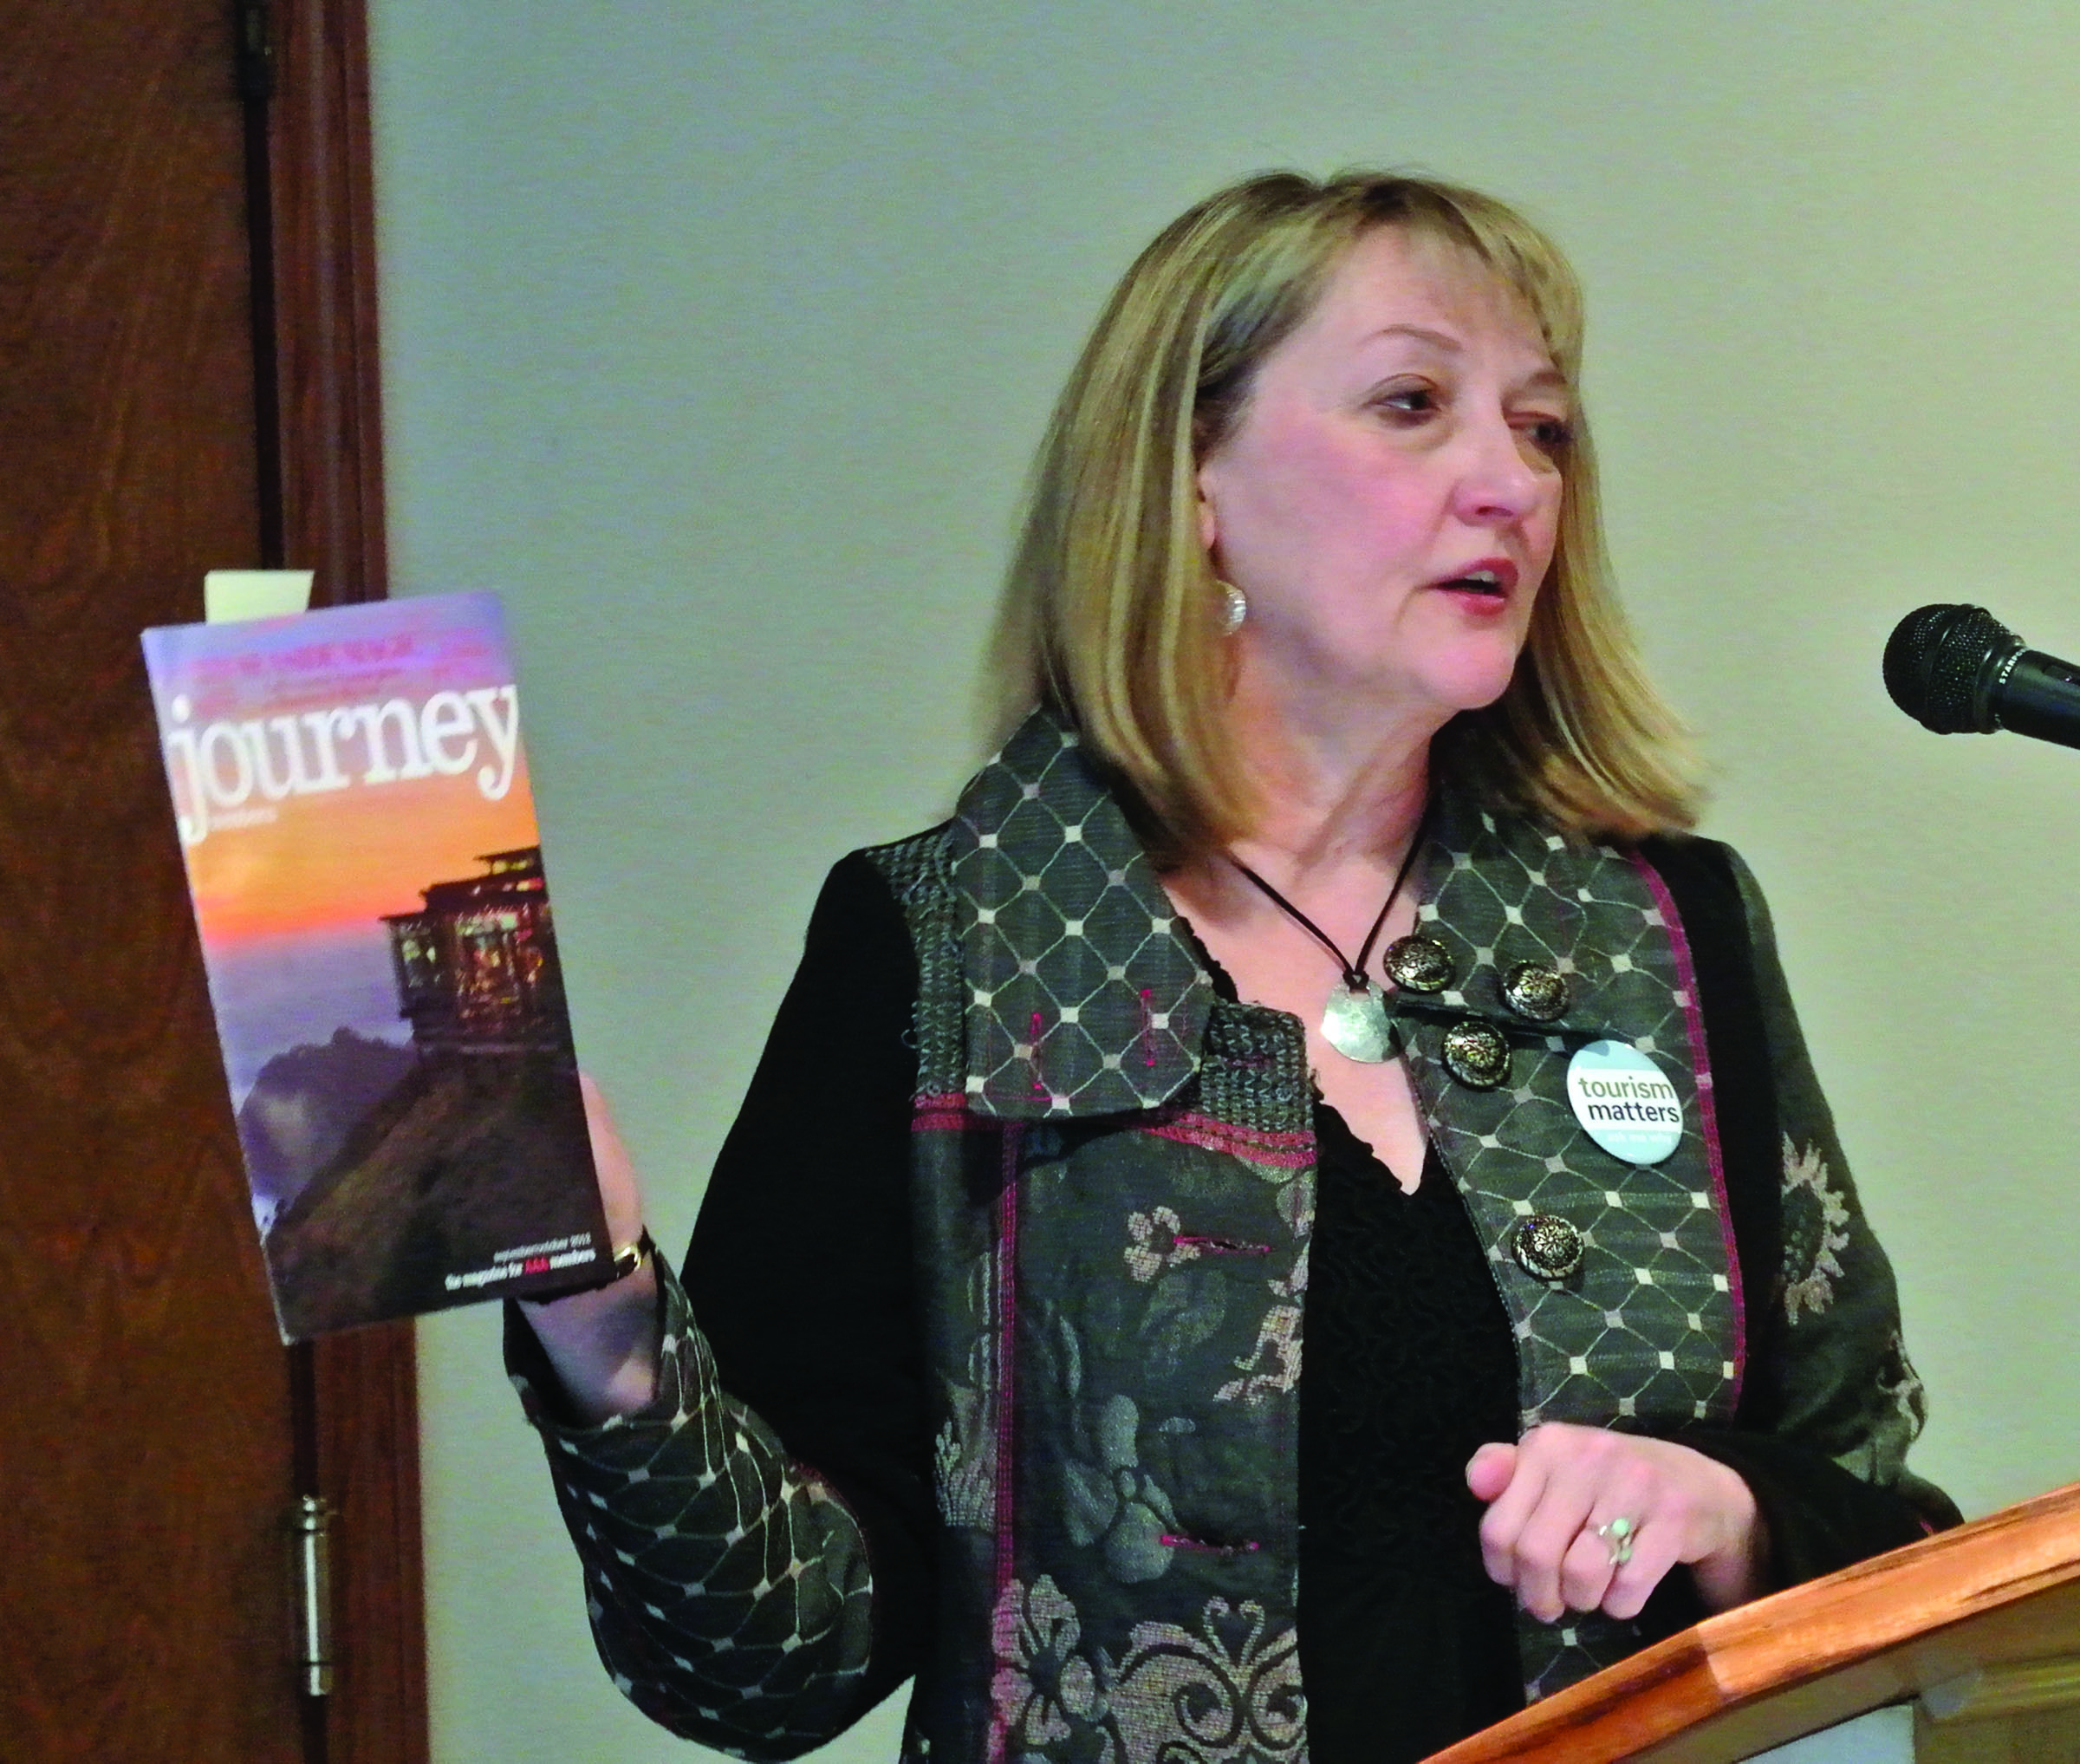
[1355,1020]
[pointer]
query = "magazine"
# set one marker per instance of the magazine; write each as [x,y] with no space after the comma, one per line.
[352,799]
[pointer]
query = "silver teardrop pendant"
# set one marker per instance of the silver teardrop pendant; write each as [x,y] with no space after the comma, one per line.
[1354,1022]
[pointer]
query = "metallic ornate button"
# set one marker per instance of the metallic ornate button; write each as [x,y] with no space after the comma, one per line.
[1419,964]
[1547,1247]
[1477,1054]
[1531,989]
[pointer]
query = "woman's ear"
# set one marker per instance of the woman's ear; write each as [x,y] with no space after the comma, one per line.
[1209,525]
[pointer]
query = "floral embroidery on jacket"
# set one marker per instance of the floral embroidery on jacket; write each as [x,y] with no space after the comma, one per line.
[1816,1231]
[1044,1691]
[1273,1366]
[1155,1247]
[1278,1335]
[1228,1694]
[964,1452]
[964,1463]
[1115,1504]
[1900,1383]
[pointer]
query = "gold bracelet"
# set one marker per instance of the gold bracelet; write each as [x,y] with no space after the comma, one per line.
[629,1258]
[625,1261]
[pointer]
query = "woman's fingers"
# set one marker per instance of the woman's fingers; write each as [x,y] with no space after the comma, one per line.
[1548,1495]
[1531,1525]
[1653,1553]
[1608,1557]
[1489,1470]
[1587,1573]
[1508,1512]
[1548,1535]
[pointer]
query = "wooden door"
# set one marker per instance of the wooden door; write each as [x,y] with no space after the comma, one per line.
[186,382]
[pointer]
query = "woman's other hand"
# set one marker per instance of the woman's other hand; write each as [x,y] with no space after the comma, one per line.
[1548,1493]
[604,1344]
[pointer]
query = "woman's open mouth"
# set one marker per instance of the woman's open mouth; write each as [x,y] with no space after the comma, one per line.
[1481,581]
[1485,585]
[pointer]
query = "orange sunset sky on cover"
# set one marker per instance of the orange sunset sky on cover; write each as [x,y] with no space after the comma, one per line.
[351,856]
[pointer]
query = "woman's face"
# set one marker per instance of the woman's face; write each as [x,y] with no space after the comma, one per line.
[1389,498]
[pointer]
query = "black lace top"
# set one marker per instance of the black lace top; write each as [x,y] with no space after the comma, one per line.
[1405,1643]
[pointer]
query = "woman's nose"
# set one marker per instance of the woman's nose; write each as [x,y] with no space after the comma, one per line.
[1501,481]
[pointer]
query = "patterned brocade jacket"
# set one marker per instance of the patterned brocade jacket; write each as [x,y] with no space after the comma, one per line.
[1112,1179]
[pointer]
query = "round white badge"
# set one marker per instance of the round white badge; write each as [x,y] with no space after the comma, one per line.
[1625,1102]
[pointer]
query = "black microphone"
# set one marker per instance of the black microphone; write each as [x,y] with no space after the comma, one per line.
[1959,670]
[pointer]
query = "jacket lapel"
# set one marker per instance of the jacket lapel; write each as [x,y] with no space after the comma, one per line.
[1082,996]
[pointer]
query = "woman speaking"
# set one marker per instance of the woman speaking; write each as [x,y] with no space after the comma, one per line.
[1299,1217]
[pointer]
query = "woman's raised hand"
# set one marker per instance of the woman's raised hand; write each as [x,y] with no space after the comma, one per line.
[604,1344]
[1659,1504]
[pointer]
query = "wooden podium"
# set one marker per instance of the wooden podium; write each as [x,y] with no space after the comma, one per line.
[1980,1624]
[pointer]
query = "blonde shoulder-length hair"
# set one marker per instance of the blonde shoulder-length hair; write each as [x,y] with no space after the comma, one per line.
[1110,613]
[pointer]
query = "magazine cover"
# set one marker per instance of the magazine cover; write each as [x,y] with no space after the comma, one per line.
[352,805]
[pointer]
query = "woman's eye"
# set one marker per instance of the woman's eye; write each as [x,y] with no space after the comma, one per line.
[1409,400]
[1551,433]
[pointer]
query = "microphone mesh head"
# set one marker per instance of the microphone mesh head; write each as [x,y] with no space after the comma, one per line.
[1933,661]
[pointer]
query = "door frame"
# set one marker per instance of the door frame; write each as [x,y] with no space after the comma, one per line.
[319,399]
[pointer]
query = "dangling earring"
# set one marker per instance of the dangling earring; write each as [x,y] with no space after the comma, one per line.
[1238,606]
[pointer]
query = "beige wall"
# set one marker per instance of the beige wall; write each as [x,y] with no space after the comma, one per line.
[716,338]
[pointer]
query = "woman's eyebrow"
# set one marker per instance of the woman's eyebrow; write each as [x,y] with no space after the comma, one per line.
[1539,379]
[1422,334]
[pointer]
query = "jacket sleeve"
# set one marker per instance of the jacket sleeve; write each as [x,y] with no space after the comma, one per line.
[728,1586]
[1842,1401]
[756,1544]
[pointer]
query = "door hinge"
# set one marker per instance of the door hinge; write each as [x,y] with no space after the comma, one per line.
[312,1523]
[255,51]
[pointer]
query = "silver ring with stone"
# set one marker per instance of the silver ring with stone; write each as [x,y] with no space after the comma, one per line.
[1618,1535]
